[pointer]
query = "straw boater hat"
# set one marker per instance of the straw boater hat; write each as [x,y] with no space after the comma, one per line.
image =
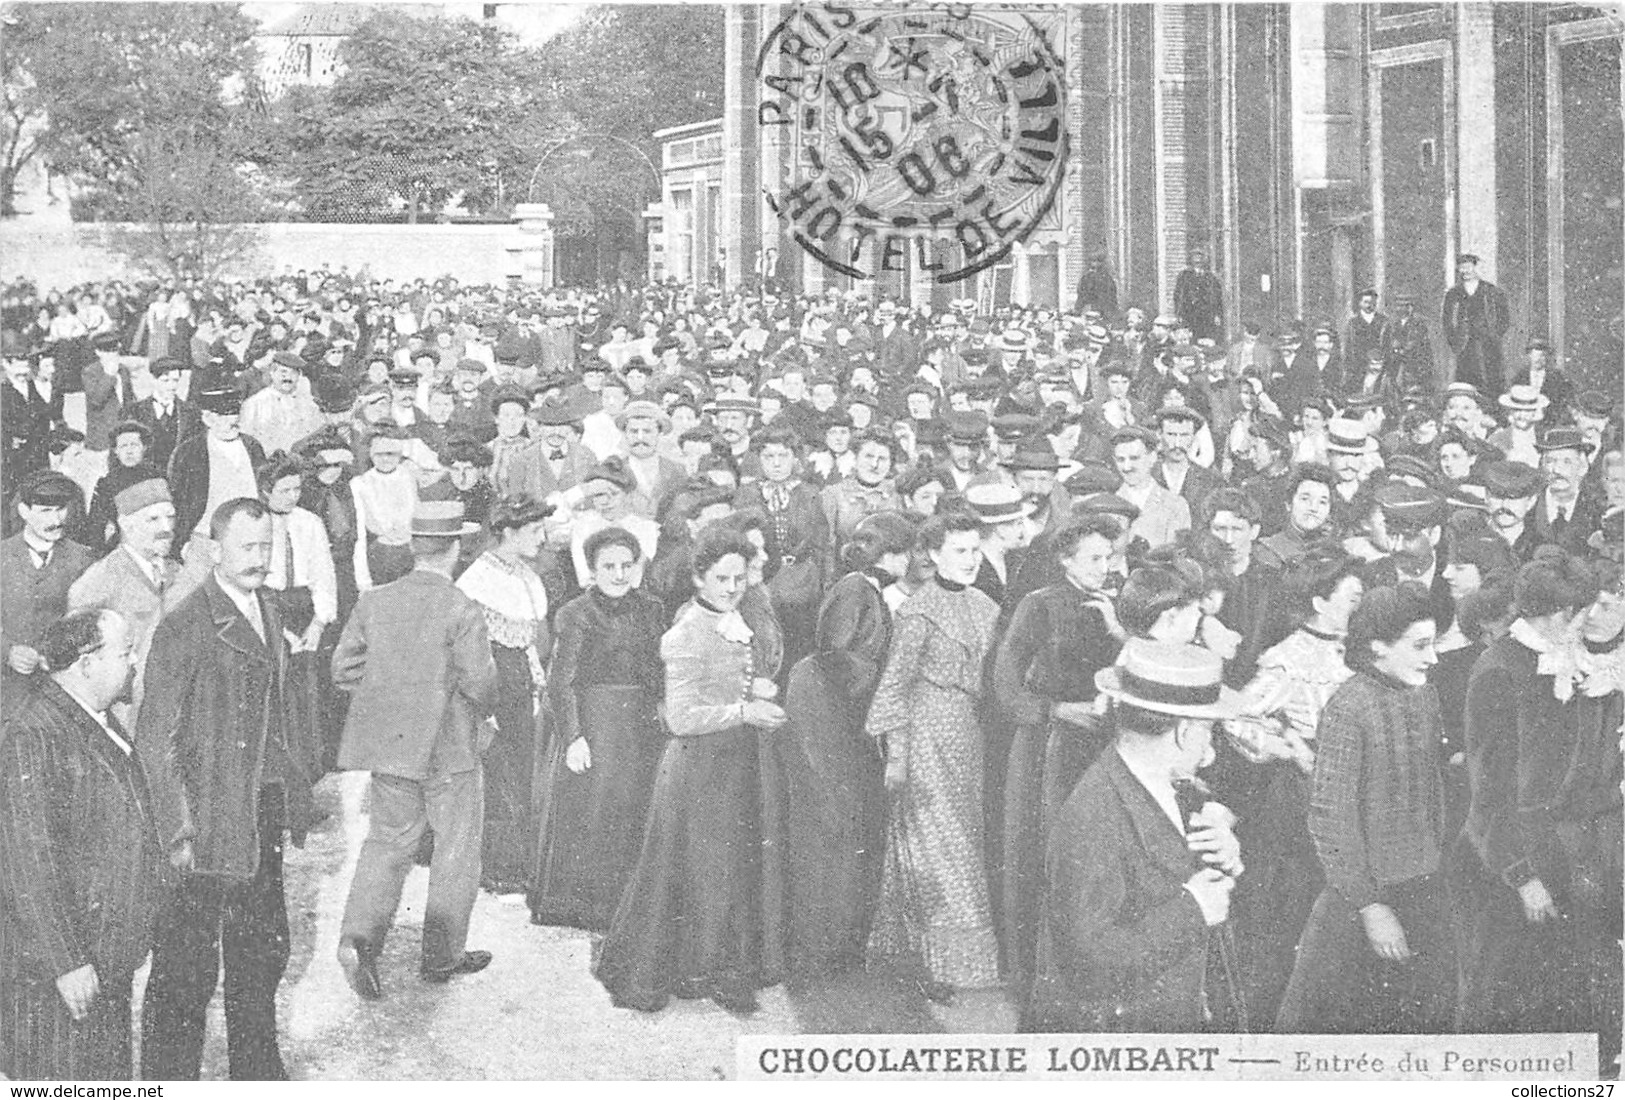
[997,503]
[1350,437]
[1524,399]
[440,519]
[1170,678]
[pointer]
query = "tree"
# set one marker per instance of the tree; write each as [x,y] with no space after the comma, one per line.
[192,214]
[424,110]
[109,74]
[23,132]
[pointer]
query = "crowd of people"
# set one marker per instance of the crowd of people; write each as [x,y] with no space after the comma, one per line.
[1166,683]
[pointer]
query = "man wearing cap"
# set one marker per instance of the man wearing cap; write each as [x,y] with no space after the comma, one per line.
[169,417]
[732,417]
[213,467]
[1256,354]
[1510,492]
[279,416]
[897,352]
[642,424]
[108,387]
[1409,351]
[967,438]
[1163,514]
[138,580]
[1464,409]
[1174,470]
[472,415]
[1566,514]
[1476,317]
[38,566]
[1140,863]
[1366,329]
[25,419]
[1547,378]
[416,662]
[226,786]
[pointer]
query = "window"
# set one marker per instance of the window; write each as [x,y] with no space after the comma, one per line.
[306,60]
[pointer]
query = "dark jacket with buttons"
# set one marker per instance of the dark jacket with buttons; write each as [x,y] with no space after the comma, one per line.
[213,714]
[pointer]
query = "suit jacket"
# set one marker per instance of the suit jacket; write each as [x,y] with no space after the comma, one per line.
[82,878]
[415,660]
[105,397]
[1360,335]
[1123,945]
[189,481]
[25,425]
[1162,517]
[215,708]
[670,476]
[531,472]
[1199,482]
[33,598]
[182,423]
[1304,379]
[1263,358]
[118,583]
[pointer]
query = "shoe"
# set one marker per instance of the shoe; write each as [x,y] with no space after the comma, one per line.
[361,968]
[938,993]
[472,962]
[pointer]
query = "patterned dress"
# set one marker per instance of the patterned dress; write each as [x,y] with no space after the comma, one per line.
[934,909]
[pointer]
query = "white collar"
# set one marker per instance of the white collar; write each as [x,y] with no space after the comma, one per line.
[1160,788]
[101,719]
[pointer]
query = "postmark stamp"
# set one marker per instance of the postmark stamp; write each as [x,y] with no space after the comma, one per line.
[938,131]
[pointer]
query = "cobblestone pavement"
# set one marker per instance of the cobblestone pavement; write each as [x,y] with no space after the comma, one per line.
[536,1013]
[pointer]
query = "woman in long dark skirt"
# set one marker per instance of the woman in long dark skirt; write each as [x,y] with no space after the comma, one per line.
[692,921]
[514,600]
[1043,677]
[836,816]
[604,684]
[1378,954]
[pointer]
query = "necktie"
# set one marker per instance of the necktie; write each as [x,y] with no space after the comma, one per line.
[42,558]
[287,555]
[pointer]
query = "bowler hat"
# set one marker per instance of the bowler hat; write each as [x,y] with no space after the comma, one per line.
[1034,457]
[1561,439]
[221,402]
[49,489]
[967,427]
[1409,507]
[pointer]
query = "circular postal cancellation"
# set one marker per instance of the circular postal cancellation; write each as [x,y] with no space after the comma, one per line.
[935,130]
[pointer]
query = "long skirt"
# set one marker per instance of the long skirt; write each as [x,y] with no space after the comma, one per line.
[695,919]
[1027,812]
[934,912]
[835,822]
[1273,899]
[1340,986]
[1559,975]
[592,823]
[510,829]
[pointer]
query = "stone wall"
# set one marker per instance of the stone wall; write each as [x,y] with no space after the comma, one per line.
[63,255]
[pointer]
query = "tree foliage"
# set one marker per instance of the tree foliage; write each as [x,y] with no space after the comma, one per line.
[424,109]
[106,74]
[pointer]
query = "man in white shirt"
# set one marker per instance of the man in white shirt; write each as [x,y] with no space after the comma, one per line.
[279,415]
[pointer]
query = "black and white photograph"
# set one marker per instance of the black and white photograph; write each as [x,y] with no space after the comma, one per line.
[824,541]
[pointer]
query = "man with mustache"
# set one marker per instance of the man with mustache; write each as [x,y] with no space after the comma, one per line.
[227,784]
[38,565]
[137,580]
[1510,491]
[1567,513]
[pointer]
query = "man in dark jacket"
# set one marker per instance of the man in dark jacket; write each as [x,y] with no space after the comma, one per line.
[213,466]
[1138,880]
[227,782]
[416,662]
[80,882]
[1475,319]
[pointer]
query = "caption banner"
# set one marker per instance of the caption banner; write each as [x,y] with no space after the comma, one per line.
[1168,1057]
